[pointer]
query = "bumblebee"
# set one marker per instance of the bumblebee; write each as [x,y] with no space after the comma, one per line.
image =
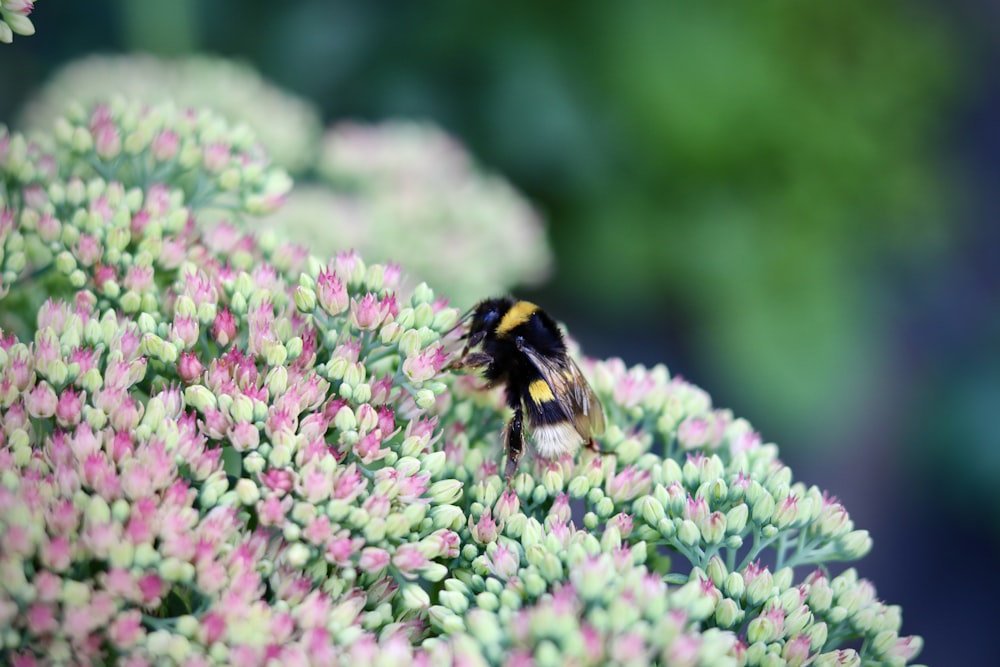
[518,345]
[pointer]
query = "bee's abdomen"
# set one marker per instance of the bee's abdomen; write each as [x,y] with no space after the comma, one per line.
[541,404]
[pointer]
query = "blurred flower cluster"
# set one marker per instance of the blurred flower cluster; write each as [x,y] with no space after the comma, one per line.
[406,191]
[232,89]
[218,448]
[14,19]
[400,191]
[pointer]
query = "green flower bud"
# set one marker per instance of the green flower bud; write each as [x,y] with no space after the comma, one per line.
[611,539]
[736,519]
[817,635]
[789,599]
[534,584]
[856,544]
[728,614]
[447,516]
[445,620]
[396,525]
[783,578]
[690,474]
[797,621]
[445,319]
[200,398]
[671,472]
[713,527]
[532,534]
[145,555]
[175,569]
[425,399]
[345,420]
[688,533]
[121,554]
[552,480]
[845,657]
[539,494]
[65,263]
[604,507]
[760,589]
[786,512]
[98,511]
[434,463]
[297,555]
[650,509]
[628,450]
[454,601]
[414,596]
[247,491]
[514,525]
[733,585]
[763,508]
[550,567]
[488,601]
[95,417]
[423,315]
[485,626]
[280,455]
[374,530]
[445,492]
[762,629]
[716,571]
[434,571]
[772,660]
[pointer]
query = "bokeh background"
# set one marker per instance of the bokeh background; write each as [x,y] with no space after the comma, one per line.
[793,205]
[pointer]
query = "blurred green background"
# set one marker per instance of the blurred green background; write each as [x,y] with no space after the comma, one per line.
[791,204]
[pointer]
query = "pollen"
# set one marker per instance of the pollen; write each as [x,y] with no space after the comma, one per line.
[540,392]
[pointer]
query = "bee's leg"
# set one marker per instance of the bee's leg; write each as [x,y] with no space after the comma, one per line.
[514,445]
[592,446]
[473,360]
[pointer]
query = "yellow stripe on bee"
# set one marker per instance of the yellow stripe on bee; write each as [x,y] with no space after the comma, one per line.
[540,392]
[518,314]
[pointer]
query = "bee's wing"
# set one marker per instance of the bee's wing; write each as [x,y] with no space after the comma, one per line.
[567,383]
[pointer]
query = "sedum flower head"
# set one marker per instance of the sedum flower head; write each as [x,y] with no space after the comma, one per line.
[288,126]
[216,447]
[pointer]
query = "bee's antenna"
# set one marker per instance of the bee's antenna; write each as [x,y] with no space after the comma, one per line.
[462,320]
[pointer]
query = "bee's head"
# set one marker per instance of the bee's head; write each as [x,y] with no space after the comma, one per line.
[485,318]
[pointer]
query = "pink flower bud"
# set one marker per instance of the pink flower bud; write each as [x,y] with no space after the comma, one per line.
[271,510]
[216,157]
[408,559]
[165,145]
[189,367]
[107,140]
[368,313]
[224,327]
[503,562]
[373,559]
[426,364]
[484,530]
[41,402]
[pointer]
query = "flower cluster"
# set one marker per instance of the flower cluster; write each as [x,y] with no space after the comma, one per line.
[234,90]
[380,182]
[218,448]
[14,19]
[390,179]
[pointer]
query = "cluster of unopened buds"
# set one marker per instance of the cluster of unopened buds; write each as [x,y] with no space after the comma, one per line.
[218,449]
[14,19]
